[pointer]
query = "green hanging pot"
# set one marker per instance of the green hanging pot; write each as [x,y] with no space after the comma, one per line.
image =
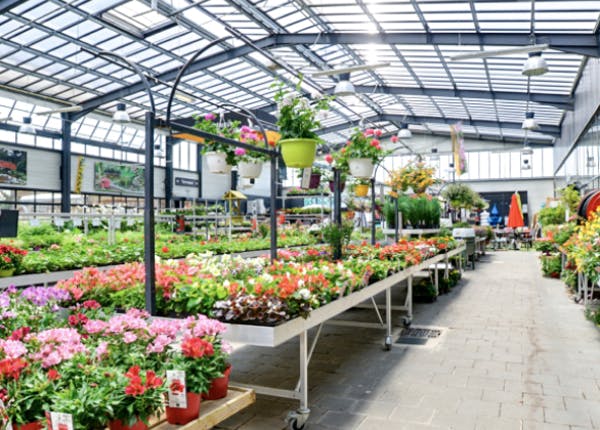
[6,273]
[298,153]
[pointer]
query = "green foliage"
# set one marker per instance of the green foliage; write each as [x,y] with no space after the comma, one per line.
[551,265]
[337,236]
[389,212]
[420,212]
[548,215]
[298,118]
[230,129]
[460,196]
[570,197]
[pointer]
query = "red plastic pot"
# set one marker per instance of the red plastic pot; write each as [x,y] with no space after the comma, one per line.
[219,386]
[29,426]
[185,415]
[118,425]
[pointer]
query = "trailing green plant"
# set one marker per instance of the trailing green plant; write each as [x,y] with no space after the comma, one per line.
[460,196]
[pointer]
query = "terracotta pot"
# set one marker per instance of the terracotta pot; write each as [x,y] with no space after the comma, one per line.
[118,425]
[185,415]
[38,425]
[218,387]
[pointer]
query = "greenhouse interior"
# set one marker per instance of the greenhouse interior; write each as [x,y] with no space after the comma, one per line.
[299,214]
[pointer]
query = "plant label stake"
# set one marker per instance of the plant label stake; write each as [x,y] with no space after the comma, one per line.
[306,177]
[177,389]
[60,421]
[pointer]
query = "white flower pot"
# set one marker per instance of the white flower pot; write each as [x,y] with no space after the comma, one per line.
[361,167]
[249,169]
[216,162]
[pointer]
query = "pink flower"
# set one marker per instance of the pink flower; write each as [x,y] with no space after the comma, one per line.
[95,326]
[226,347]
[369,132]
[159,344]
[129,337]
[374,142]
[329,158]
[240,151]
[394,139]
[245,129]
[13,348]
[210,117]
[377,133]
[102,349]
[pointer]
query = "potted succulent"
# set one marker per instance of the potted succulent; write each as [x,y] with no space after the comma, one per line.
[220,157]
[298,118]
[250,162]
[362,152]
[11,259]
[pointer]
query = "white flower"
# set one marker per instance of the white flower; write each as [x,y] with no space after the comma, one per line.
[304,294]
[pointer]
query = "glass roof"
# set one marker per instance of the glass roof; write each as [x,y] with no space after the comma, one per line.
[48,51]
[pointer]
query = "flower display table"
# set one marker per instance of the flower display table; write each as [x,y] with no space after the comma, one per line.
[213,412]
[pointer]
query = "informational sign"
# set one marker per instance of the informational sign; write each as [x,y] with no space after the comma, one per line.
[177,389]
[186,182]
[118,178]
[306,178]
[13,167]
[61,421]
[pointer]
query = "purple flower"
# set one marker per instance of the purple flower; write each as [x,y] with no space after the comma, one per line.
[240,151]
[210,117]
[245,129]
[40,296]
[4,300]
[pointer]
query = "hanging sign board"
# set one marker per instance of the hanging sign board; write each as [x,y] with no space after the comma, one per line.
[9,222]
[186,182]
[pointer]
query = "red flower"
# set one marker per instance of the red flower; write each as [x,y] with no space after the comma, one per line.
[133,372]
[20,333]
[135,387]
[329,158]
[374,142]
[394,139]
[75,320]
[91,304]
[165,249]
[378,133]
[176,386]
[53,375]
[152,381]
[196,347]
[12,367]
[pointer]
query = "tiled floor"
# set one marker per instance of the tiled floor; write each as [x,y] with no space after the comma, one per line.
[518,354]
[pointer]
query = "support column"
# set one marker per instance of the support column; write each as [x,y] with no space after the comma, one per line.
[373,210]
[169,171]
[273,204]
[65,164]
[149,245]
[199,169]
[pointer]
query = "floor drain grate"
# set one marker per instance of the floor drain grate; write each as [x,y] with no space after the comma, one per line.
[417,336]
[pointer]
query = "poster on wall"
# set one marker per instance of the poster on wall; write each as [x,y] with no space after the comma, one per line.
[13,167]
[118,178]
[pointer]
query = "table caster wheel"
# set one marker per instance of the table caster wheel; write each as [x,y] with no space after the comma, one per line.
[406,321]
[296,420]
[388,343]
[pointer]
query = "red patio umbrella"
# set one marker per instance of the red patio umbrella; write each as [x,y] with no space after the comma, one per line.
[515,216]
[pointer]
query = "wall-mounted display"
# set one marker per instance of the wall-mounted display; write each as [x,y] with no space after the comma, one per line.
[13,167]
[119,178]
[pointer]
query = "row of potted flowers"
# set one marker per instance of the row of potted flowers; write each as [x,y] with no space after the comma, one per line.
[255,290]
[87,368]
[75,251]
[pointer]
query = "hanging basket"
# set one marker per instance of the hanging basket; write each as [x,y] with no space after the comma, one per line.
[298,153]
[6,273]
[249,170]
[315,181]
[361,167]
[217,163]
[341,186]
[361,190]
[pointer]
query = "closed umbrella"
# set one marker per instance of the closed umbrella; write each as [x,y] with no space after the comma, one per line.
[515,216]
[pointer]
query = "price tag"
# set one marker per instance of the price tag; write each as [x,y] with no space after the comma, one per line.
[59,222]
[96,222]
[61,421]
[176,384]
[34,222]
[77,221]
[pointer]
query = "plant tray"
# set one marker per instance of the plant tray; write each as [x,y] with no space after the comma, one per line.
[213,412]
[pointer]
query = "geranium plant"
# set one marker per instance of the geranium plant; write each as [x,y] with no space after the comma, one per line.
[229,129]
[299,117]
[11,257]
[363,145]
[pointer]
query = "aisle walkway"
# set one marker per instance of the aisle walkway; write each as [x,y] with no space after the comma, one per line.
[518,354]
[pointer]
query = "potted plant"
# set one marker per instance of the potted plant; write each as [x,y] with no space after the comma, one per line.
[219,156]
[337,162]
[415,175]
[297,121]
[362,152]
[139,396]
[360,187]
[337,236]
[250,162]
[315,177]
[11,259]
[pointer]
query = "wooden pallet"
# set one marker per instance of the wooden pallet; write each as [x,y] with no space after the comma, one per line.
[213,412]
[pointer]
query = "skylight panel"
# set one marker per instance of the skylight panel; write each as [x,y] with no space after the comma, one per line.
[134,17]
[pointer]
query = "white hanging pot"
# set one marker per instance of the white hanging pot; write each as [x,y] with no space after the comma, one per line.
[361,167]
[249,169]
[217,162]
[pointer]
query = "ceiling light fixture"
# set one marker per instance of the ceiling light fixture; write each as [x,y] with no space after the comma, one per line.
[526,165]
[344,87]
[404,132]
[27,127]
[535,65]
[434,155]
[121,116]
[527,150]
[498,52]
[529,123]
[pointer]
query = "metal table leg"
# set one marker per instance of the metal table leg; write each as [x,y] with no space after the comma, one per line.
[388,318]
[437,281]
[297,419]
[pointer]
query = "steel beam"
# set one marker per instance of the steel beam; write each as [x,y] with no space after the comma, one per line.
[65,164]
[6,5]
[169,171]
